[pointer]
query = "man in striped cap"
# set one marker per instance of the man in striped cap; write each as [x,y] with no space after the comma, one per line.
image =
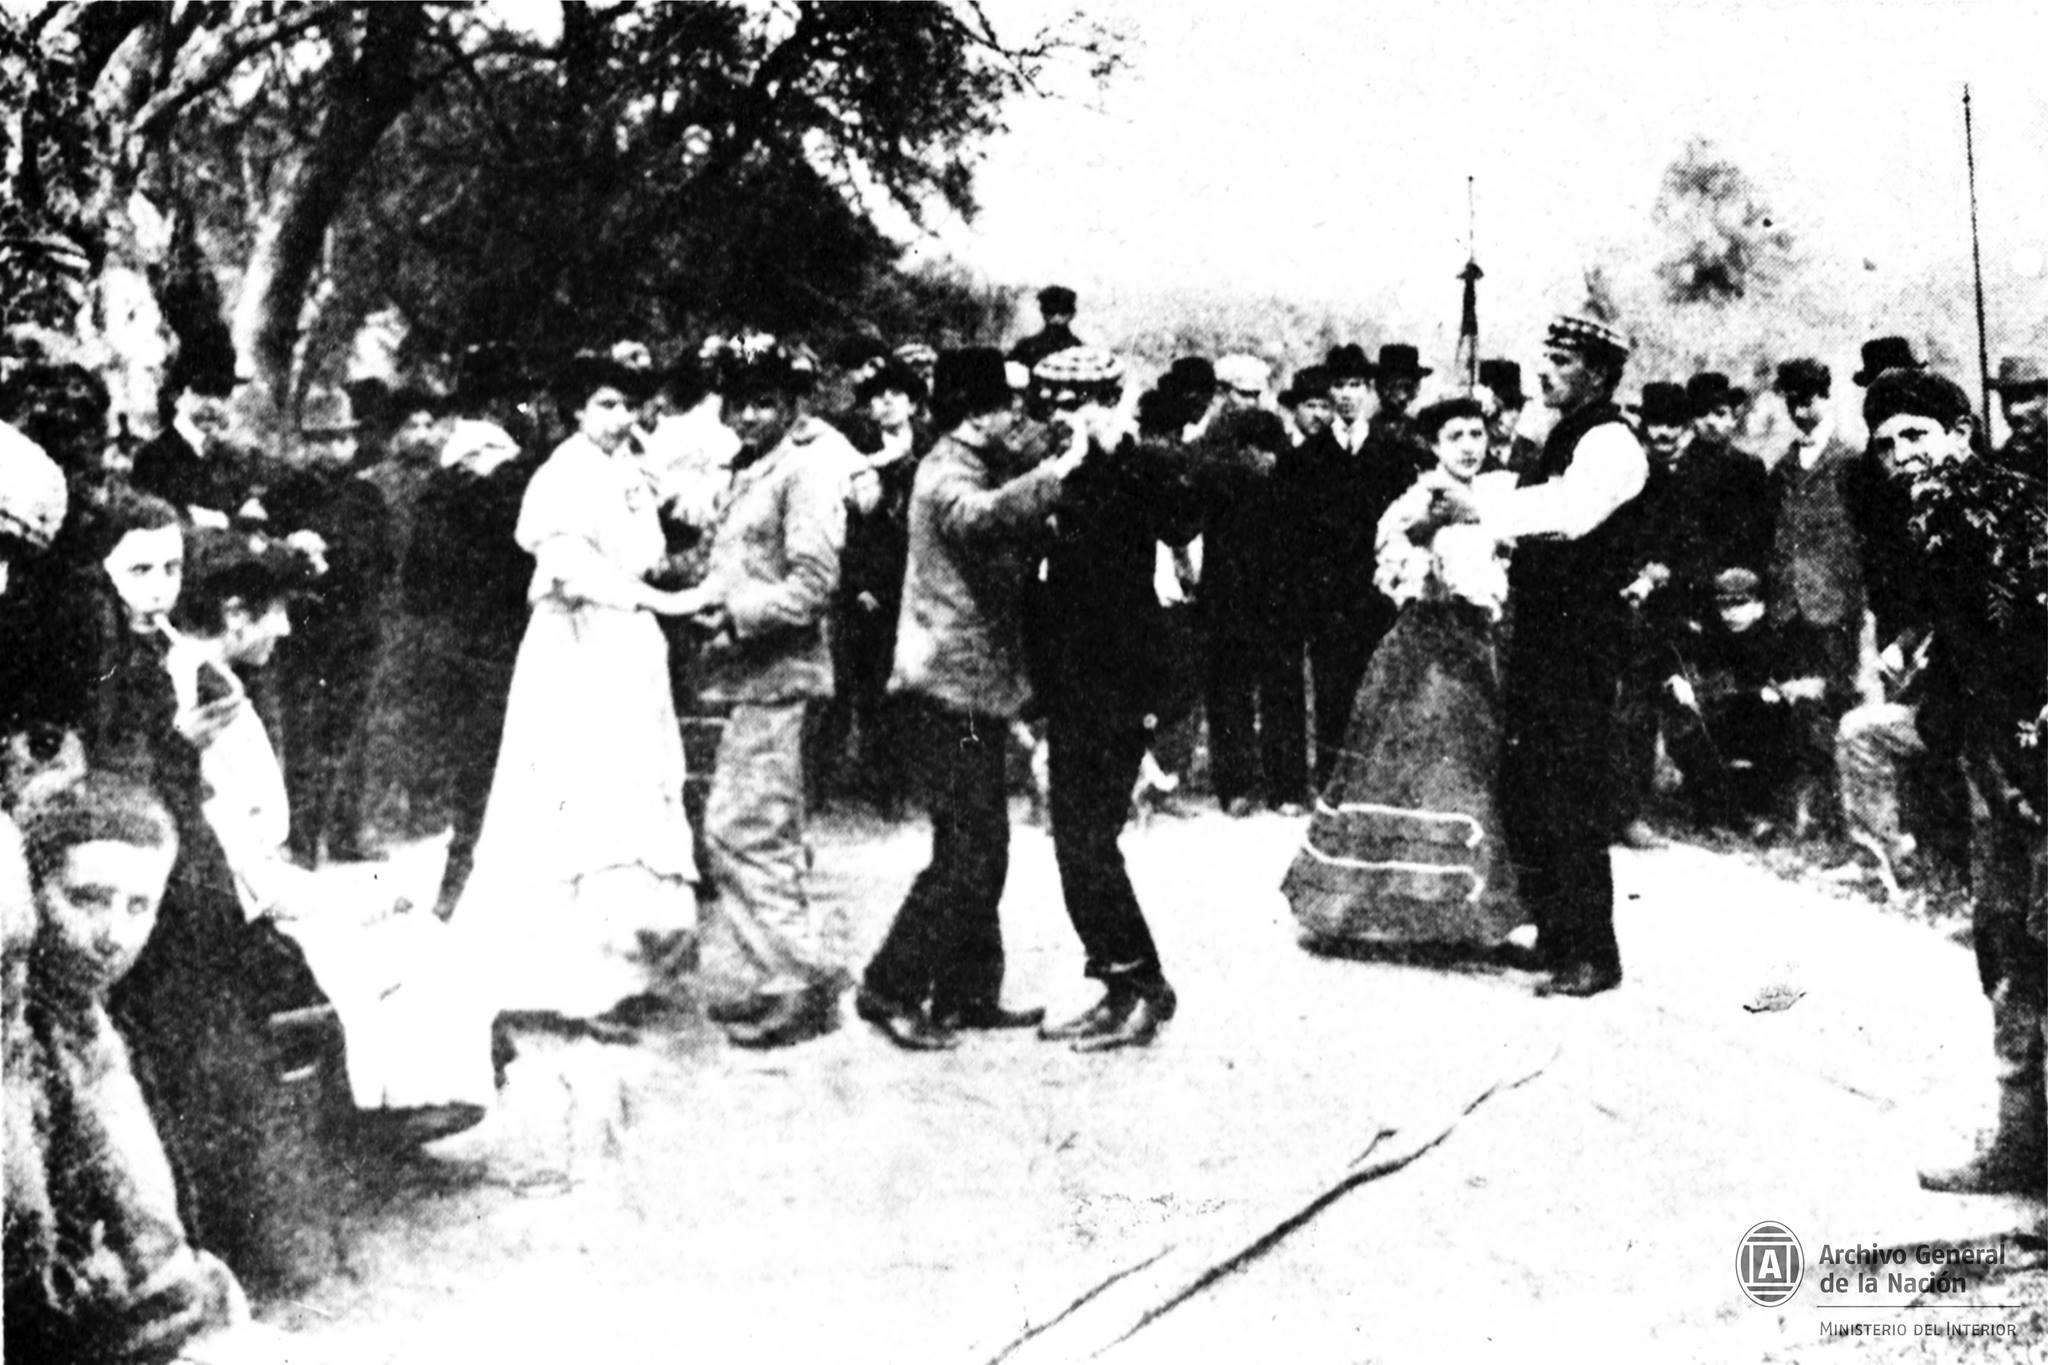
[1573,518]
[1101,659]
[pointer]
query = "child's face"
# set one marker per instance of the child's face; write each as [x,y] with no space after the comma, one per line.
[100,905]
[147,569]
[1461,446]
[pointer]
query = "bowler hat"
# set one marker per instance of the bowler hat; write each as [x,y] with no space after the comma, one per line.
[1885,353]
[971,380]
[1346,362]
[1664,405]
[1057,298]
[1711,389]
[1401,361]
[1804,378]
[1309,382]
[2020,373]
[1504,378]
[327,412]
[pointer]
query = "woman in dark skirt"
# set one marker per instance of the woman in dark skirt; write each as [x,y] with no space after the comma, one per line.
[1405,844]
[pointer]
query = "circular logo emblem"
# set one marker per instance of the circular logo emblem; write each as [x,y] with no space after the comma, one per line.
[1769,1264]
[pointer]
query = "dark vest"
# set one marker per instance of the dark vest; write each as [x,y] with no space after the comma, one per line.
[1569,591]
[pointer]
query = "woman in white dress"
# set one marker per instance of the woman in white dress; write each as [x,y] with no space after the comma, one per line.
[585,849]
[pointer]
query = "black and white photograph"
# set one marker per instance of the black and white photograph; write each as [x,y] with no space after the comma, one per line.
[1021,682]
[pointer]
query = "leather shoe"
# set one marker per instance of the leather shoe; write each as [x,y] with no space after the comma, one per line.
[903,1025]
[990,1015]
[791,1017]
[1581,980]
[1124,1017]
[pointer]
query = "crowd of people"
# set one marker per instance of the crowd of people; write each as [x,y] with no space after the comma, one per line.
[616,631]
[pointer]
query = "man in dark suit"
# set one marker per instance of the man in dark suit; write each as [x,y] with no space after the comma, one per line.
[1347,482]
[1395,379]
[185,464]
[1056,305]
[1503,399]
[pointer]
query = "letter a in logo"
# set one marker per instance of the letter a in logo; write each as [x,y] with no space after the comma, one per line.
[1769,1264]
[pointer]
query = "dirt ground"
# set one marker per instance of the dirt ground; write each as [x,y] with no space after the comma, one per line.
[845,1201]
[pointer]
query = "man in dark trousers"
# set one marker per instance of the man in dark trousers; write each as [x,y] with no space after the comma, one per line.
[1258,742]
[325,668]
[1347,483]
[1056,305]
[1571,517]
[1101,654]
[978,510]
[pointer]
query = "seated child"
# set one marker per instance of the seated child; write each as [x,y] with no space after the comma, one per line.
[1736,713]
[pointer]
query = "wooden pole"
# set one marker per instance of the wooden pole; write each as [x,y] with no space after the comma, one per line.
[1977,268]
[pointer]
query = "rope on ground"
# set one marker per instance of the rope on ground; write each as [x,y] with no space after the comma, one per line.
[1161,1282]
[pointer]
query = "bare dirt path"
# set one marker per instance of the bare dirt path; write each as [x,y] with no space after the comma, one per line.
[849,1202]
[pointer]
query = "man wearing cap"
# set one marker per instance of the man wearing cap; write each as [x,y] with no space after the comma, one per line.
[769,582]
[325,669]
[1395,379]
[1977,530]
[1347,483]
[2022,389]
[1102,645]
[1056,305]
[1250,594]
[1573,522]
[977,517]
[1816,572]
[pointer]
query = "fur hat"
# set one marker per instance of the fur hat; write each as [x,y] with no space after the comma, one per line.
[1885,353]
[1804,378]
[893,375]
[1191,376]
[1920,392]
[750,364]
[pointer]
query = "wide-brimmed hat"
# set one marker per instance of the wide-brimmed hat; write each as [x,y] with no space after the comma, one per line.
[1710,389]
[2020,372]
[1398,360]
[1885,353]
[1586,336]
[327,412]
[1664,405]
[1309,382]
[971,380]
[1057,298]
[1346,362]
[1504,378]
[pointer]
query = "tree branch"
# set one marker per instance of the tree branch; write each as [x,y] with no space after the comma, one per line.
[170,102]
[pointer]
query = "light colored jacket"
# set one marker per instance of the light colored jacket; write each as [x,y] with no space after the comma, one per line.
[774,567]
[959,637]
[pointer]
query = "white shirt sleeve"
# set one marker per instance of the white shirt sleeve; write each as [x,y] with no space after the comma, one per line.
[1607,470]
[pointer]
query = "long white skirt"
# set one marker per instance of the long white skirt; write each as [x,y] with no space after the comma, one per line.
[585,845]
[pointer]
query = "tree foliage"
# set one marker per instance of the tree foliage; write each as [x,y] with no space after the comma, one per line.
[644,170]
[1724,242]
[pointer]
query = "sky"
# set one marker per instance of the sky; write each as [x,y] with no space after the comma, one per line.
[1319,151]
